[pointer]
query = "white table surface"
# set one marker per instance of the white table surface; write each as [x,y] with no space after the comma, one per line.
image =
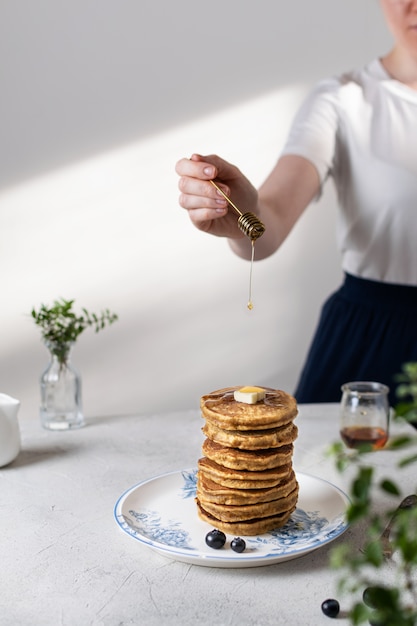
[65,562]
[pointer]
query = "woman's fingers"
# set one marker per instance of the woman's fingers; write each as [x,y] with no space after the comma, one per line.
[197,193]
[196,167]
[207,207]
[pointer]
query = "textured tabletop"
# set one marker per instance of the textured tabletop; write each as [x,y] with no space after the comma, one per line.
[64,560]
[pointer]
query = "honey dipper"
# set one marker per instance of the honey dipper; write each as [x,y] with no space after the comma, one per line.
[248,223]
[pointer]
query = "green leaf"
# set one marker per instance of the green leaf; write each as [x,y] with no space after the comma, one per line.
[359,613]
[373,553]
[355,512]
[400,442]
[338,555]
[385,598]
[390,487]
[407,460]
[361,485]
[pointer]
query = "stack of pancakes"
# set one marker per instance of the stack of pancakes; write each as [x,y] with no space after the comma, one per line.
[246,484]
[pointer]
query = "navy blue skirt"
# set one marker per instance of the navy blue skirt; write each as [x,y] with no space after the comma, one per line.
[367,331]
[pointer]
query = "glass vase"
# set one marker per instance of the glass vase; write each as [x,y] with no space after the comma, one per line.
[61,404]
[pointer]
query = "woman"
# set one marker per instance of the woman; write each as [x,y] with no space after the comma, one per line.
[360,129]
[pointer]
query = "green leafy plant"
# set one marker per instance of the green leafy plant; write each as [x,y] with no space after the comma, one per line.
[388,603]
[407,392]
[61,326]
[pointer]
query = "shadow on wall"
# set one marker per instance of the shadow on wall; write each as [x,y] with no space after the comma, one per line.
[82,77]
[184,328]
[108,232]
[103,98]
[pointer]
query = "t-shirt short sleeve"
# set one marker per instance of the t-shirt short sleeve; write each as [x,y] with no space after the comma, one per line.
[314,130]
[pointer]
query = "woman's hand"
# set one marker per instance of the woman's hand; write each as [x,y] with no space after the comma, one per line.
[282,198]
[207,209]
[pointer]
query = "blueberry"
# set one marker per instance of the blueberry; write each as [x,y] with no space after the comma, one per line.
[238,544]
[330,607]
[215,539]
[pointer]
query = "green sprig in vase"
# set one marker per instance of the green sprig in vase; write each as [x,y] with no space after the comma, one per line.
[60,383]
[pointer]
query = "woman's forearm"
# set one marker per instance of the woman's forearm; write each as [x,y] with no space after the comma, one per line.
[282,198]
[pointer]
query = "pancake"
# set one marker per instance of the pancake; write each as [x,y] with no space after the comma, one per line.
[243,479]
[252,439]
[209,490]
[244,512]
[248,527]
[256,460]
[222,410]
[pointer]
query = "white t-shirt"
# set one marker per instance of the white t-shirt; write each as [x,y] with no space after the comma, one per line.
[361,129]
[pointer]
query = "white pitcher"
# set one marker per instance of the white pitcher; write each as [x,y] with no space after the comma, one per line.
[9,429]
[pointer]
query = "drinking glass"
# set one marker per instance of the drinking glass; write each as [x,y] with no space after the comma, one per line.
[364,415]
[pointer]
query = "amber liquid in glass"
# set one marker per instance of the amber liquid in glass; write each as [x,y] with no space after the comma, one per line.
[354,436]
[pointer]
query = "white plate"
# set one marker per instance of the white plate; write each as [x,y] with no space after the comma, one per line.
[161,513]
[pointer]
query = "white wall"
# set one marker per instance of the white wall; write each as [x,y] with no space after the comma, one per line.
[99,100]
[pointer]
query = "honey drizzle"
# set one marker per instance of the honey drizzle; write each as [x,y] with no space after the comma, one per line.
[252,227]
[250,303]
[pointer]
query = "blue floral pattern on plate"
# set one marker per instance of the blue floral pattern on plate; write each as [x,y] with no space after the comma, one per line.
[189,488]
[161,513]
[171,534]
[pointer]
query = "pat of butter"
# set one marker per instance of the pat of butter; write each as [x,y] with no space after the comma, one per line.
[249,395]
